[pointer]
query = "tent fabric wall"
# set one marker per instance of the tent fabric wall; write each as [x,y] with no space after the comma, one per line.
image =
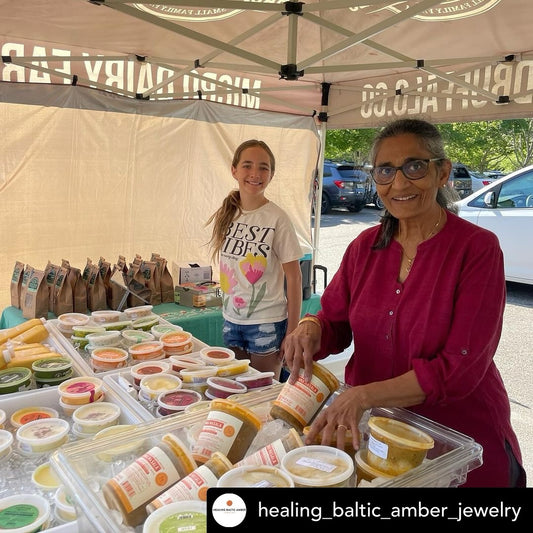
[86,174]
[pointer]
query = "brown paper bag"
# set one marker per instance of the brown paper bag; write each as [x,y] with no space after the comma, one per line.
[16,284]
[79,290]
[24,286]
[96,296]
[36,299]
[149,272]
[105,274]
[139,294]
[117,287]
[50,274]
[166,282]
[63,299]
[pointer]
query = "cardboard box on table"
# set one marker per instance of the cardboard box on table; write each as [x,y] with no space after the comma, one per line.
[446,465]
[198,294]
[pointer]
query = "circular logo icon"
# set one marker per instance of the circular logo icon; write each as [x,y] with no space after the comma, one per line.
[229,510]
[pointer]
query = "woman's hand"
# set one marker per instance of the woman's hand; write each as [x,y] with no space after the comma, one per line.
[300,346]
[342,415]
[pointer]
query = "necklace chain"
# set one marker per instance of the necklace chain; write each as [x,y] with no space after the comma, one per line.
[431,233]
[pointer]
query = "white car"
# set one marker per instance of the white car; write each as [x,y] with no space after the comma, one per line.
[505,207]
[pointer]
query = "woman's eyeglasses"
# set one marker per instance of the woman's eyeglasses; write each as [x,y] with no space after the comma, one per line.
[413,169]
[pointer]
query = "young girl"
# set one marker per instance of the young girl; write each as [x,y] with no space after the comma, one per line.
[258,250]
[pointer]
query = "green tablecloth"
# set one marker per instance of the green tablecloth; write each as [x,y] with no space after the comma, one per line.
[205,323]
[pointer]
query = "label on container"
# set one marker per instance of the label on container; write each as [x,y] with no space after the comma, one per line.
[303,399]
[317,464]
[192,487]
[271,455]
[18,516]
[218,434]
[378,448]
[144,478]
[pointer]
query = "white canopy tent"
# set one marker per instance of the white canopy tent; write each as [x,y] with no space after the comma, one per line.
[333,63]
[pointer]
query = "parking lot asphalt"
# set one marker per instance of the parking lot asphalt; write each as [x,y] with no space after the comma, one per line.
[514,356]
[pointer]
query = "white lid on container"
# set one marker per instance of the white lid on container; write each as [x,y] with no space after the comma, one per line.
[96,415]
[42,435]
[256,476]
[27,521]
[188,515]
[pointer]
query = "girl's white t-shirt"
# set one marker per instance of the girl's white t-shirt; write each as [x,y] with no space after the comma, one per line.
[251,274]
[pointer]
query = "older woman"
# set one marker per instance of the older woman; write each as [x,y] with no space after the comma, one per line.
[422,294]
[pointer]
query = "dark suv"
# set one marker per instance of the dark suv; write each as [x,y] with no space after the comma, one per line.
[345,185]
[460,179]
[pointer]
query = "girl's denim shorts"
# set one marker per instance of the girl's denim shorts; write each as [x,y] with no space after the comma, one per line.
[262,339]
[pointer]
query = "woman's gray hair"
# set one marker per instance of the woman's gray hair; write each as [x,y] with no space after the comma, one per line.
[432,141]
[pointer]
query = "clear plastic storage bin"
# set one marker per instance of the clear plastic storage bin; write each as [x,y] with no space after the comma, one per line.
[81,470]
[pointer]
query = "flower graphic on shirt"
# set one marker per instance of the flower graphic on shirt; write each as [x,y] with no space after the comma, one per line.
[228,281]
[238,303]
[253,267]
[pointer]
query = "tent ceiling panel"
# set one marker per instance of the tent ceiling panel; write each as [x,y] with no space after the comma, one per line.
[454,59]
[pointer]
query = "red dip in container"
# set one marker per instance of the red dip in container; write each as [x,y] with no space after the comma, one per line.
[218,387]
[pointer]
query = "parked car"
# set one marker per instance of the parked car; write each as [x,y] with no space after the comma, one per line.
[480,180]
[460,180]
[374,197]
[505,207]
[345,185]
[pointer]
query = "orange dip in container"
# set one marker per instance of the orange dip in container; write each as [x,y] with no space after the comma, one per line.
[176,342]
[109,358]
[144,351]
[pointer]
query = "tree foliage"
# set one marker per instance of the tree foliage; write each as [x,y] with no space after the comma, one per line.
[489,145]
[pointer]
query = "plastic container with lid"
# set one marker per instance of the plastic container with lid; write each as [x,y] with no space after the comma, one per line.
[103,338]
[135,336]
[109,358]
[233,368]
[318,466]
[138,312]
[297,404]
[29,414]
[146,323]
[3,417]
[176,342]
[198,376]
[81,390]
[148,368]
[45,478]
[394,446]
[348,440]
[152,386]
[190,515]
[218,387]
[6,443]
[118,326]
[176,401]
[52,382]
[364,473]
[82,331]
[16,379]
[65,510]
[186,362]
[67,321]
[42,435]
[131,446]
[159,329]
[272,453]
[106,316]
[24,513]
[147,351]
[93,417]
[217,355]
[195,485]
[69,408]
[52,367]
[229,428]
[256,476]
[148,476]
[256,381]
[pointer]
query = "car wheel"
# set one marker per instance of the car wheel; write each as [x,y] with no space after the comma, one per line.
[326,205]
[378,202]
[355,208]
